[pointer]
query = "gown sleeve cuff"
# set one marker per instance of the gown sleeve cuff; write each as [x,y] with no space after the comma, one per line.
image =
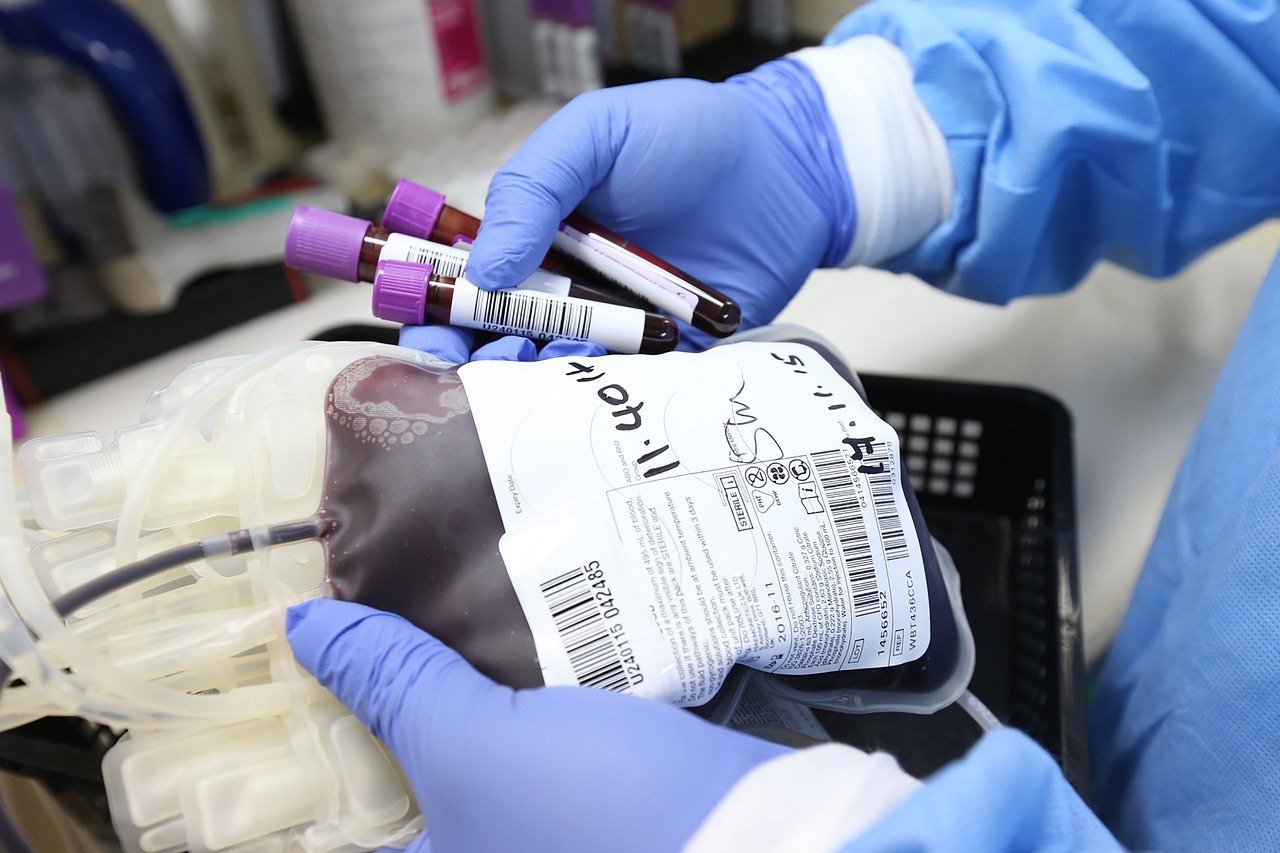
[809,800]
[896,156]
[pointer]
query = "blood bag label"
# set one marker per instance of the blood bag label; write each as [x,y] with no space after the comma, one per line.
[668,517]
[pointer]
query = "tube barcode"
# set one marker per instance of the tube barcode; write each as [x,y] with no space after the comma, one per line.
[532,313]
[892,537]
[445,262]
[851,530]
[579,622]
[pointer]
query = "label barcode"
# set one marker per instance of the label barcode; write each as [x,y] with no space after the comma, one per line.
[851,531]
[892,536]
[444,262]
[533,313]
[581,626]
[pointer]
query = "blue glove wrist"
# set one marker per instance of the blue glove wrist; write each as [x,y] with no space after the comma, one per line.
[788,98]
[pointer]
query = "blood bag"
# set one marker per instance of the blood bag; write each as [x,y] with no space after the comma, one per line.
[643,525]
[655,525]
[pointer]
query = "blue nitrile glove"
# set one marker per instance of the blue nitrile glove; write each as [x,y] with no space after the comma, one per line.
[555,768]
[457,345]
[741,184]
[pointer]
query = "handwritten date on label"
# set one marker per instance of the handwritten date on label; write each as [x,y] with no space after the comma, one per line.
[628,418]
[859,448]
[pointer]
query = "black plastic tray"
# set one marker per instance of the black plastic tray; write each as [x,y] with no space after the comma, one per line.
[992,467]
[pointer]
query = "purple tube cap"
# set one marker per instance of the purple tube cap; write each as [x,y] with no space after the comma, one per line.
[325,243]
[400,291]
[412,209]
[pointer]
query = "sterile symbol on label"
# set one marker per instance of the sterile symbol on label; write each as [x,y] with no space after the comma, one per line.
[733,498]
[778,473]
[799,469]
[765,500]
[755,477]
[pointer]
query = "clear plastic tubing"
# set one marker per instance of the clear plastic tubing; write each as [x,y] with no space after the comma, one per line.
[351,249]
[162,705]
[582,249]
[68,691]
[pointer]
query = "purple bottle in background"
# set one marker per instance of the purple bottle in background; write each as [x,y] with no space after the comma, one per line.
[21,281]
[19,426]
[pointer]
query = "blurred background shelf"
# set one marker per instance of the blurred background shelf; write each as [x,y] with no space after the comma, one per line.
[109,286]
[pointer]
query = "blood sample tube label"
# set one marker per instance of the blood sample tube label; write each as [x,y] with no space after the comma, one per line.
[524,312]
[635,274]
[451,262]
[445,260]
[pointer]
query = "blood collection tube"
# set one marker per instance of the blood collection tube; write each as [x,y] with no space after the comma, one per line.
[350,249]
[547,281]
[406,292]
[310,227]
[581,249]
[421,212]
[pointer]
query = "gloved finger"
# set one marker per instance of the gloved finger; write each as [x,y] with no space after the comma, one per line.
[541,184]
[450,343]
[563,349]
[509,348]
[421,844]
[401,682]
[695,340]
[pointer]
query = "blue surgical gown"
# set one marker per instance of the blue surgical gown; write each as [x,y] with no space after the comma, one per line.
[1144,132]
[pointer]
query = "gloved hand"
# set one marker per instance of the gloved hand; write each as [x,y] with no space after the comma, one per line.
[556,768]
[741,184]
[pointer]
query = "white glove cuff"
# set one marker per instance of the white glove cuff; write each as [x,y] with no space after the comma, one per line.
[808,800]
[896,157]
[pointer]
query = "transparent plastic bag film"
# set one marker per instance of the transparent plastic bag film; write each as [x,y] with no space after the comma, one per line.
[111,694]
[94,687]
[513,525]
[215,629]
[257,783]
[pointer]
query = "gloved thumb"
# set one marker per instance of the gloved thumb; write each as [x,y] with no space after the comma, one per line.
[402,683]
[540,185]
